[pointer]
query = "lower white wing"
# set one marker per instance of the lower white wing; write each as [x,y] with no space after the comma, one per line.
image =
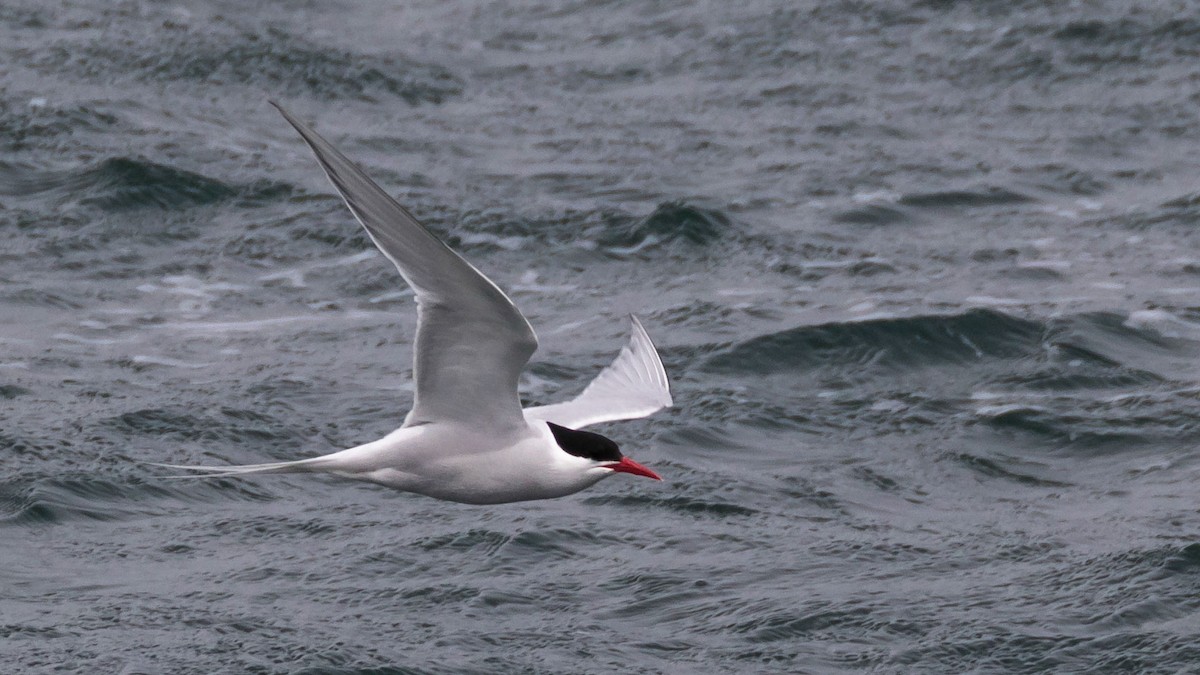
[633,386]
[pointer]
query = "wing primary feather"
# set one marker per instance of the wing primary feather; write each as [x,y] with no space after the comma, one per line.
[471,343]
[634,385]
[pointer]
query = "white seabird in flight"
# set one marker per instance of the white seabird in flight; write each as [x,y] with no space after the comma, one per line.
[467,439]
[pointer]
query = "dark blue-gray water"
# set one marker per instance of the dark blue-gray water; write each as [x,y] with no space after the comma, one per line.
[925,276]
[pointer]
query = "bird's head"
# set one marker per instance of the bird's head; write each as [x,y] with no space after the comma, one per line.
[598,450]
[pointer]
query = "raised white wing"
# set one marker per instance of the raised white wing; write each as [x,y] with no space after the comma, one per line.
[471,342]
[633,386]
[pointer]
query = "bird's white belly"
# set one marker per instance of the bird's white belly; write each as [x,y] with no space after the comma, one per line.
[448,463]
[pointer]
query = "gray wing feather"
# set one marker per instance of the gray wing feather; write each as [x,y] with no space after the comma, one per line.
[633,386]
[471,342]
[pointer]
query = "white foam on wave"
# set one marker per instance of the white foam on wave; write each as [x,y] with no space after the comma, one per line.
[989,301]
[295,276]
[530,283]
[875,196]
[739,292]
[1008,408]
[185,284]
[79,339]
[197,294]
[888,405]
[1050,265]
[1152,395]
[1164,323]
[840,263]
[564,327]
[250,325]
[254,325]
[391,296]
[511,243]
[149,360]
[1015,399]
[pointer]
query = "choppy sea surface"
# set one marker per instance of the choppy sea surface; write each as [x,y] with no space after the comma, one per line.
[925,277]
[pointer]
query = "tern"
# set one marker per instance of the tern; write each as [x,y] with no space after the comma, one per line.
[467,438]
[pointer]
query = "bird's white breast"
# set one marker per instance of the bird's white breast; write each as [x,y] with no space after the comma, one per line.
[458,463]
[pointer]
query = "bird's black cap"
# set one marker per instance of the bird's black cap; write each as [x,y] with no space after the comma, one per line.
[585,444]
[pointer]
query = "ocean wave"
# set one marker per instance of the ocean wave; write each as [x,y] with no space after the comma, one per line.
[669,222]
[679,504]
[872,214]
[123,183]
[895,209]
[1064,179]
[22,126]
[1084,351]
[1073,423]
[1143,589]
[225,425]
[901,342]
[36,501]
[271,59]
[12,391]
[676,227]
[995,468]
[1125,40]
[988,196]
[42,298]
[1086,383]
